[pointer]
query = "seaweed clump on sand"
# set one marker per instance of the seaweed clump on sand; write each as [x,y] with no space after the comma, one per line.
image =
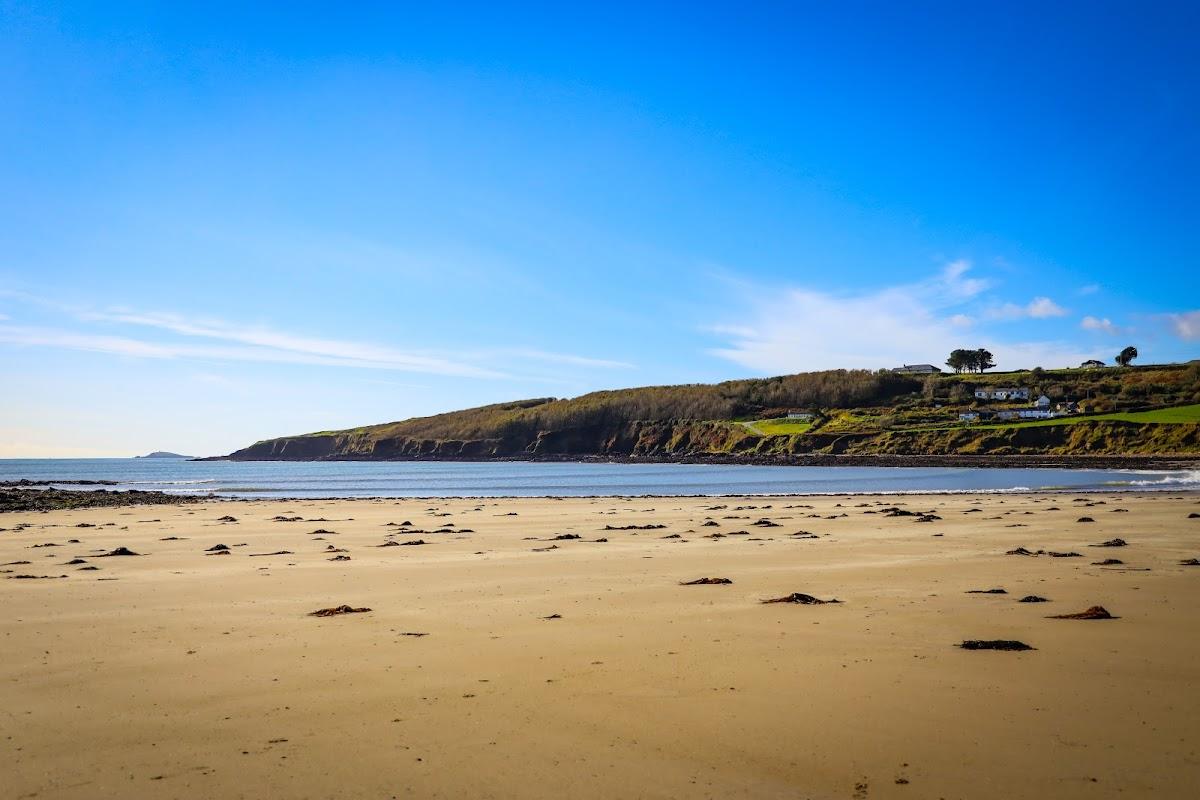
[800,598]
[994,644]
[337,611]
[1095,612]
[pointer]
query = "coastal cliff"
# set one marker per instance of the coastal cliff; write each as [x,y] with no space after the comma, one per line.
[1134,413]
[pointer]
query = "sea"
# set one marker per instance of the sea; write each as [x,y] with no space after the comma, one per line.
[329,479]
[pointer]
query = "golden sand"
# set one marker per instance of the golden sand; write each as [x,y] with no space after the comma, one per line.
[177,673]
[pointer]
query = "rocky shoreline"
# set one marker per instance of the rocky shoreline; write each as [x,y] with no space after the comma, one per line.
[28,498]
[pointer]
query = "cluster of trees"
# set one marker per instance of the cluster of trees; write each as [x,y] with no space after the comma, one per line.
[970,360]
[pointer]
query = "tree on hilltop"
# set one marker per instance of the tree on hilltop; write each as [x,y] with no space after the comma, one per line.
[1126,356]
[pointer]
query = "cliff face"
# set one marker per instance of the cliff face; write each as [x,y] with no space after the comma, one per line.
[685,439]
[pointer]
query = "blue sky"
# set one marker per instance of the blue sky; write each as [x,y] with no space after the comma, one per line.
[220,224]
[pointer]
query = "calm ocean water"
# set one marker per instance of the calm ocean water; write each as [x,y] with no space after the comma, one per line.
[524,479]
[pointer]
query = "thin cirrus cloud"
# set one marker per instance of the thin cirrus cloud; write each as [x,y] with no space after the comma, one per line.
[227,341]
[802,329]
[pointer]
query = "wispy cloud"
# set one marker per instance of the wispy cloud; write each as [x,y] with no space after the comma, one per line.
[565,358]
[214,339]
[333,352]
[1037,308]
[955,283]
[801,329]
[1090,289]
[1101,325]
[1186,325]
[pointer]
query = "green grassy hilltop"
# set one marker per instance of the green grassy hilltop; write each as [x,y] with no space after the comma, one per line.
[1135,410]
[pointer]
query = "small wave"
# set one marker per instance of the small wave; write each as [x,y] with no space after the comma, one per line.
[166,483]
[1188,478]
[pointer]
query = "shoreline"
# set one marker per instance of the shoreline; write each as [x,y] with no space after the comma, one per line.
[1180,461]
[116,498]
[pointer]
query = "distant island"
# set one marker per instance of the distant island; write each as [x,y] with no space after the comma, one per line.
[914,414]
[162,454]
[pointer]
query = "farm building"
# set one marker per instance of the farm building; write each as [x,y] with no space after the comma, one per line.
[917,369]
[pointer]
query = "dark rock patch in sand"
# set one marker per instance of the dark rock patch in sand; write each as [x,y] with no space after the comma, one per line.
[336,611]
[986,591]
[1069,554]
[1108,562]
[564,537]
[1033,598]
[1095,612]
[217,548]
[1085,519]
[227,518]
[1020,551]
[340,558]
[1187,562]
[706,582]
[281,518]
[1111,543]
[276,553]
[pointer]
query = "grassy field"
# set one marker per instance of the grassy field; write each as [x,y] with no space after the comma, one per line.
[778,427]
[1168,416]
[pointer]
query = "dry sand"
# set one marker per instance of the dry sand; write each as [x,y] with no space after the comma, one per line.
[181,674]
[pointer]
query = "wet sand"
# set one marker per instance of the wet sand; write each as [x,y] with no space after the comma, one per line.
[571,667]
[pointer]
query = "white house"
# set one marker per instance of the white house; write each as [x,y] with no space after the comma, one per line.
[917,369]
[1042,402]
[969,416]
[799,415]
[1002,394]
[1036,413]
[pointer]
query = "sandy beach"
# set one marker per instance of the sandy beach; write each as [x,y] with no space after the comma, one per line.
[500,661]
